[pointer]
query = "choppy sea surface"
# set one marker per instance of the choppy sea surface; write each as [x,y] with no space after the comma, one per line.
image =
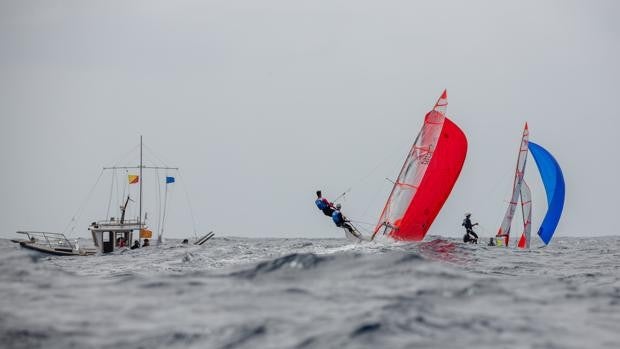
[315,293]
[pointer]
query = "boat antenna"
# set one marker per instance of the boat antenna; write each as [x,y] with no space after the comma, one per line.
[141,179]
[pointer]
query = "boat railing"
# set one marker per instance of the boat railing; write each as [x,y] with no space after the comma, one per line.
[127,224]
[46,238]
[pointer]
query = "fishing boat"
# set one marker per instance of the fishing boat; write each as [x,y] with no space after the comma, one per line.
[553,181]
[112,233]
[426,178]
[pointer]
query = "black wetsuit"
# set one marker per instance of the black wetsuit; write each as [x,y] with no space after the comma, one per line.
[470,235]
[328,211]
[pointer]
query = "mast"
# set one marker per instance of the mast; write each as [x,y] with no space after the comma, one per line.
[426,178]
[140,167]
[505,227]
[140,181]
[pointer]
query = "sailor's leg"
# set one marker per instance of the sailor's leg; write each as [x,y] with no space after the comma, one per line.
[351,230]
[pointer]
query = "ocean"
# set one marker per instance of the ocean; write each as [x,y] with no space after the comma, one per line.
[315,293]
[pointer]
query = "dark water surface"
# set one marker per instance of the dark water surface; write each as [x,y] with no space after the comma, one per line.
[313,293]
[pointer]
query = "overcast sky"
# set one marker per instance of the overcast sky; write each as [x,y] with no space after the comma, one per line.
[260,103]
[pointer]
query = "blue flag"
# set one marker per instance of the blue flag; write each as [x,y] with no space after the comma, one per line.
[169,180]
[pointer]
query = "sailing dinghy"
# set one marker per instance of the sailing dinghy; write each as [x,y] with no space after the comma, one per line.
[427,177]
[553,181]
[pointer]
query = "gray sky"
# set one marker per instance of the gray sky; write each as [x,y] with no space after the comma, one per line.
[262,102]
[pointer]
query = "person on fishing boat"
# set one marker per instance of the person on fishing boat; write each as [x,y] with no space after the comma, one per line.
[342,222]
[470,236]
[324,205]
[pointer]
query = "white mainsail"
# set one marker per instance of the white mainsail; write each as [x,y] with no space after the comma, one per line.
[504,229]
[526,209]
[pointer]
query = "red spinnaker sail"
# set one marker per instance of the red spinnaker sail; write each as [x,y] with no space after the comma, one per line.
[426,178]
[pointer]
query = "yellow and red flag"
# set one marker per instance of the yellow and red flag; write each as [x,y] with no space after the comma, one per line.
[133,179]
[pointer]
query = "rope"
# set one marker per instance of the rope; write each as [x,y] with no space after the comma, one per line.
[107,214]
[360,228]
[79,210]
[152,152]
[159,219]
[367,176]
[342,195]
[370,202]
[361,222]
[163,217]
[189,204]
[126,155]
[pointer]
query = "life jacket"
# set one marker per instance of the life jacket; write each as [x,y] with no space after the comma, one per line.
[321,204]
[337,218]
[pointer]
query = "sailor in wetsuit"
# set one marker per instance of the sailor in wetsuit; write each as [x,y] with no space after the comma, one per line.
[324,205]
[342,221]
[470,236]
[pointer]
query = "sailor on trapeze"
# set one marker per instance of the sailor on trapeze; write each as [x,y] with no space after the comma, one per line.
[470,236]
[342,221]
[324,205]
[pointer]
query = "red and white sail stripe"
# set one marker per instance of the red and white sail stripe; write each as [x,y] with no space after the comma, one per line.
[517,191]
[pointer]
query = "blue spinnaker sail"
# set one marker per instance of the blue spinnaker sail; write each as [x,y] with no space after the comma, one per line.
[553,180]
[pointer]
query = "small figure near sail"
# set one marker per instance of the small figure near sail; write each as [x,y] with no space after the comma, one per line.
[324,205]
[470,236]
[342,222]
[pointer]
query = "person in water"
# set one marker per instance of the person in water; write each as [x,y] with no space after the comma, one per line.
[324,205]
[136,244]
[342,222]
[146,243]
[470,236]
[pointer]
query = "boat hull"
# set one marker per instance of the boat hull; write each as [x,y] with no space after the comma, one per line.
[57,251]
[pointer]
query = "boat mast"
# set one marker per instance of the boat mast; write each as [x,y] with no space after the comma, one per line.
[140,181]
[140,168]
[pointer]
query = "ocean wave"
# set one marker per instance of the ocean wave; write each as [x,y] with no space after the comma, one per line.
[295,261]
[320,293]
